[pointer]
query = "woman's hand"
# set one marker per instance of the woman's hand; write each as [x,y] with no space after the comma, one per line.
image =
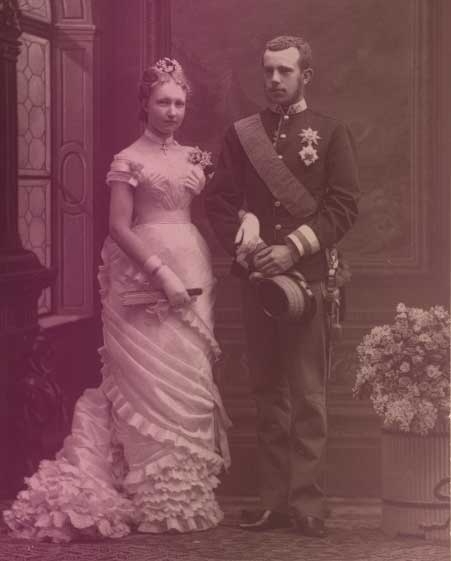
[195,180]
[173,287]
[248,236]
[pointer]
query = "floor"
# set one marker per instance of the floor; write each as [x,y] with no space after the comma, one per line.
[353,535]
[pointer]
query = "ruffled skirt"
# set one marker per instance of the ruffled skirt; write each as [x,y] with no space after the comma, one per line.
[146,447]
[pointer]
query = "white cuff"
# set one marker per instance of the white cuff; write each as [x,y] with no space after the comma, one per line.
[305,240]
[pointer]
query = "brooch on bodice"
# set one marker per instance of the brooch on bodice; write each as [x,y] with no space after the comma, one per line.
[309,153]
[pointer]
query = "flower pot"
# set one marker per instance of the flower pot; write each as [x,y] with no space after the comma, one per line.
[415,484]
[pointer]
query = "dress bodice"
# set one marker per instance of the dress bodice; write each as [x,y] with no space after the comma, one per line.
[158,171]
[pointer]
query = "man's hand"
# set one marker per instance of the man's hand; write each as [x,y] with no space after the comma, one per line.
[273,260]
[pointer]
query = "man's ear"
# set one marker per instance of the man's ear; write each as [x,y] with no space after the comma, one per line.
[307,75]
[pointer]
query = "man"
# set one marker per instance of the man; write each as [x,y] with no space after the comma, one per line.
[294,170]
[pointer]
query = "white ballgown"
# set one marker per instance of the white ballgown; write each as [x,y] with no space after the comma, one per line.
[147,445]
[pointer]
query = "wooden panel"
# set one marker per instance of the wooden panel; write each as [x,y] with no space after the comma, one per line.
[74,168]
[73,89]
[73,11]
[75,263]
[73,174]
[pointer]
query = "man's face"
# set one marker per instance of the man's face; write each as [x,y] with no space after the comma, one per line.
[283,79]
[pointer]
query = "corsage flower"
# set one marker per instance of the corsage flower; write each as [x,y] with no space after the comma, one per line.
[310,139]
[196,156]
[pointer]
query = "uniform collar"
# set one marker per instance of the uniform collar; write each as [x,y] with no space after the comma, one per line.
[297,107]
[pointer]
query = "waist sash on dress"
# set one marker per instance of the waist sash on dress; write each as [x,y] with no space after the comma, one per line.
[166,216]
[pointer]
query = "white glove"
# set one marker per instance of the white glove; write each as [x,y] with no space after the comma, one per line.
[248,236]
[173,287]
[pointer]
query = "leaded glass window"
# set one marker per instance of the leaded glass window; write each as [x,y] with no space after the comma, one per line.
[55,150]
[36,9]
[33,98]
[34,148]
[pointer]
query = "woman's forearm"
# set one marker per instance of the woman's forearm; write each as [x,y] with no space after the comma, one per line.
[134,248]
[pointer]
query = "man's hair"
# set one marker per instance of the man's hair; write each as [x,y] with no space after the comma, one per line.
[286,41]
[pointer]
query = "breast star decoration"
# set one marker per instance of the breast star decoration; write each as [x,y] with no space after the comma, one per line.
[309,153]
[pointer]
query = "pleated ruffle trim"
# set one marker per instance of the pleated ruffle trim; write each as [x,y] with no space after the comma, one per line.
[65,501]
[175,493]
[134,419]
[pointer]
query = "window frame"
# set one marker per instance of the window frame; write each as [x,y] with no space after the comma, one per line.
[71,37]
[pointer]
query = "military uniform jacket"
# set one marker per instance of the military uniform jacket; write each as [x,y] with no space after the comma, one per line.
[319,152]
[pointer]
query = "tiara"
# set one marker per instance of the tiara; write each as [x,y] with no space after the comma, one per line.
[168,65]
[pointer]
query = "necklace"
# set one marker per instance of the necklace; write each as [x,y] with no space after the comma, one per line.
[164,143]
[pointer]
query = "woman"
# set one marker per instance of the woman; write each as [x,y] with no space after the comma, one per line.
[147,445]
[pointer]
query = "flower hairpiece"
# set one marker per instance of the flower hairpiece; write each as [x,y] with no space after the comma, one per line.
[196,156]
[168,65]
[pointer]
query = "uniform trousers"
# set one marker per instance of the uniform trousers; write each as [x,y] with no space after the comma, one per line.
[287,363]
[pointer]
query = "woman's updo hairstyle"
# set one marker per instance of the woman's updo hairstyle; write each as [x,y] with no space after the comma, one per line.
[161,72]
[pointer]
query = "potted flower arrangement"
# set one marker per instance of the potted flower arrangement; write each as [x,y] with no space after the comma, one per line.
[404,369]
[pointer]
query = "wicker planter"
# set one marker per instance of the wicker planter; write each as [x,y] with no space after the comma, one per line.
[415,484]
